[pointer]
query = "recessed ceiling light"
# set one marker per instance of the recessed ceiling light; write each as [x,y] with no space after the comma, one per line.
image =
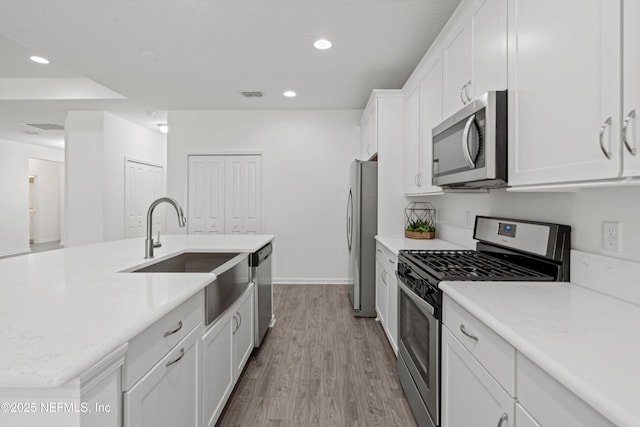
[39,59]
[149,56]
[164,128]
[322,44]
[289,94]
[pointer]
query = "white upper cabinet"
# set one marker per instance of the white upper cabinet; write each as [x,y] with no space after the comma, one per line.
[411,140]
[369,129]
[430,117]
[564,90]
[631,87]
[468,59]
[422,112]
[456,60]
[474,52]
[488,47]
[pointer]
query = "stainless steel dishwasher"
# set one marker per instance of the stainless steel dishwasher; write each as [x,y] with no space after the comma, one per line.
[260,263]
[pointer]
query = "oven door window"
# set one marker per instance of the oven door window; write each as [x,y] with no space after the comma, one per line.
[419,346]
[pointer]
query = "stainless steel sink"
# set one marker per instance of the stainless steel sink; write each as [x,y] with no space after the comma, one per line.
[188,262]
[231,270]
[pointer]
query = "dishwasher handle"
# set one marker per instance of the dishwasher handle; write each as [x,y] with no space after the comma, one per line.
[261,255]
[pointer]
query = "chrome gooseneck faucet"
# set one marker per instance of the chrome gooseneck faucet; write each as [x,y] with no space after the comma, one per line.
[182,221]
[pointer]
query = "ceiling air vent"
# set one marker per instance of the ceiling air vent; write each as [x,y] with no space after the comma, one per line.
[46,126]
[255,94]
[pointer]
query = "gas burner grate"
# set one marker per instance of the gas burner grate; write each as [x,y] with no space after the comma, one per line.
[471,265]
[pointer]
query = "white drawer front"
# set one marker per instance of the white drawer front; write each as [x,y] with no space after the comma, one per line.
[495,354]
[386,257]
[550,403]
[154,342]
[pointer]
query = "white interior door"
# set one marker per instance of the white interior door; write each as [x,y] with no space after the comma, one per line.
[143,184]
[243,195]
[225,194]
[205,205]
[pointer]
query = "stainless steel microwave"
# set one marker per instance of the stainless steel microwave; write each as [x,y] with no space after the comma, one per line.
[470,147]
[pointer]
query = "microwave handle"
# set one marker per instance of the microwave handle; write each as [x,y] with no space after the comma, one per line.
[465,140]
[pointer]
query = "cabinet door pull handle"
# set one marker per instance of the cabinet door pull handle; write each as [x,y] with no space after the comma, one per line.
[379,250]
[171,362]
[503,418]
[391,261]
[602,129]
[463,329]
[166,334]
[466,91]
[239,319]
[235,325]
[462,96]
[625,136]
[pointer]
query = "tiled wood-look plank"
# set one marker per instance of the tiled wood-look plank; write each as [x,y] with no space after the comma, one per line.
[319,366]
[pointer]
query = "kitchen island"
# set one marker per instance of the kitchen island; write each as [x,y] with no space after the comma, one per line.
[64,312]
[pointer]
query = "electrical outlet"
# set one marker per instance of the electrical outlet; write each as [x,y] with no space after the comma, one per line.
[611,236]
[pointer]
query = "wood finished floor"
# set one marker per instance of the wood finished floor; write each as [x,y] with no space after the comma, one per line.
[319,366]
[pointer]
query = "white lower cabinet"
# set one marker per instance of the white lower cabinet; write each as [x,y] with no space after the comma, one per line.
[168,395]
[470,395]
[549,402]
[381,292]
[217,369]
[487,382]
[243,335]
[387,293]
[226,347]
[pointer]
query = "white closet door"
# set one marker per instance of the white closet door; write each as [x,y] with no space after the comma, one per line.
[253,198]
[243,194]
[143,184]
[206,195]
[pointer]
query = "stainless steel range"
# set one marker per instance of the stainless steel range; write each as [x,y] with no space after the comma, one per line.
[507,250]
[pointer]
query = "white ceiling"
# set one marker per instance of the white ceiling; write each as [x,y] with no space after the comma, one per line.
[208,51]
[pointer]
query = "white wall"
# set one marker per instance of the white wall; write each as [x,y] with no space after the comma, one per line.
[307,154]
[84,169]
[14,192]
[124,139]
[97,144]
[584,211]
[47,198]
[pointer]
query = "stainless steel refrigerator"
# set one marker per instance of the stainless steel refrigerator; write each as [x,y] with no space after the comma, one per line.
[362,225]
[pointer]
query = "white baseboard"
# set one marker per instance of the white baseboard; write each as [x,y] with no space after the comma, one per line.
[16,252]
[309,281]
[48,240]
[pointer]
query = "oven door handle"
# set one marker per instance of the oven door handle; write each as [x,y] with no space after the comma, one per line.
[416,299]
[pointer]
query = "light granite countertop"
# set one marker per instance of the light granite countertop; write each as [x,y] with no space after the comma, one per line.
[586,340]
[63,311]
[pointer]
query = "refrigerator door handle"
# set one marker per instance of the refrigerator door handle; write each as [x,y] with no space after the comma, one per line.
[349,219]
